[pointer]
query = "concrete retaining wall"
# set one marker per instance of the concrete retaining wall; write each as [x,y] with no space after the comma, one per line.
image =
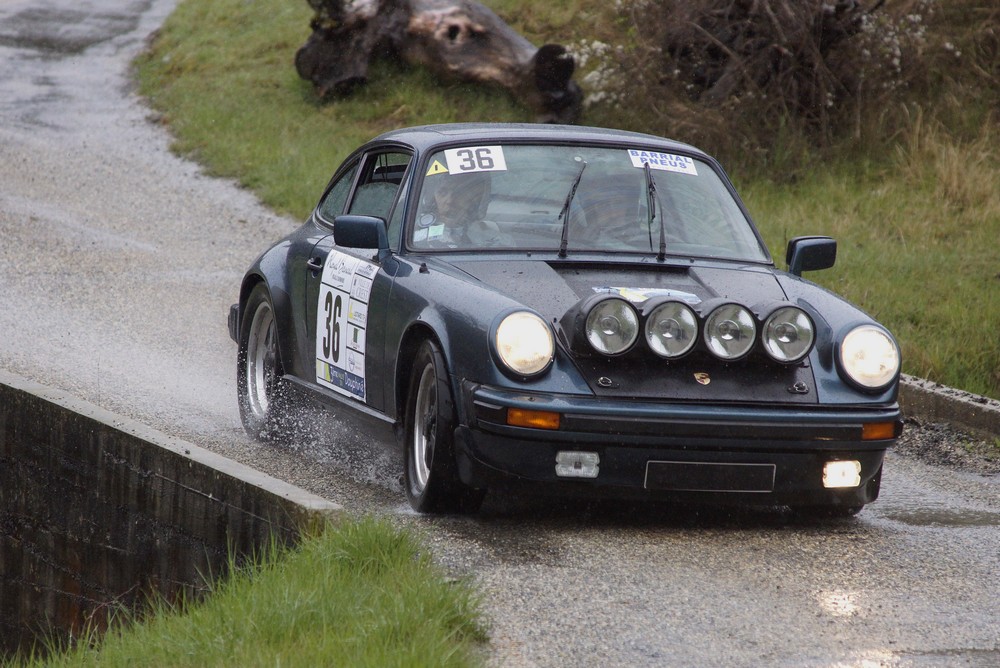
[930,402]
[97,511]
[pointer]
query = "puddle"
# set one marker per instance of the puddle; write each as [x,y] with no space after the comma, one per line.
[941,517]
[63,31]
[920,499]
[964,657]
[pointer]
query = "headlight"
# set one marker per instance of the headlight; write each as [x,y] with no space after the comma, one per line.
[869,357]
[730,331]
[671,329]
[524,343]
[788,334]
[612,326]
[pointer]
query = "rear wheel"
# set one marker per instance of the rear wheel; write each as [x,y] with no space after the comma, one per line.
[430,473]
[261,392]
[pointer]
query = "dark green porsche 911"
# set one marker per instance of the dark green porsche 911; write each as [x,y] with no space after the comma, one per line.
[573,310]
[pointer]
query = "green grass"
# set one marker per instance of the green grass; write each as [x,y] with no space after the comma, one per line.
[362,594]
[222,73]
[917,248]
[917,217]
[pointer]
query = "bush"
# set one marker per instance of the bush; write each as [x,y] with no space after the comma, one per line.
[743,76]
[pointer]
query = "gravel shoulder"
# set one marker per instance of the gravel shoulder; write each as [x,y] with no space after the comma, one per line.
[949,427]
[941,444]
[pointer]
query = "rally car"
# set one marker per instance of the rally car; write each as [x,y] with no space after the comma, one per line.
[571,310]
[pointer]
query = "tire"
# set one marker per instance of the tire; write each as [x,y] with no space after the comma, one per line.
[261,392]
[430,474]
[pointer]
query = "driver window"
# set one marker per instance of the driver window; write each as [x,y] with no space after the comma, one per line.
[381,177]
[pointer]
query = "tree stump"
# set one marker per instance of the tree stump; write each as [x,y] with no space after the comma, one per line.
[456,39]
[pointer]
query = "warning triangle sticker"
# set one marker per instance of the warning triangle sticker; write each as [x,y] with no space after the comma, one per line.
[437,168]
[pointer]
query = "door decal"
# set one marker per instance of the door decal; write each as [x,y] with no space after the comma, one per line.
[341,323]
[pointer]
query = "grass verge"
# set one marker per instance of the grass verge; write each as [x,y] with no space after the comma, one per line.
[917,218]
[360,594]
[918,249]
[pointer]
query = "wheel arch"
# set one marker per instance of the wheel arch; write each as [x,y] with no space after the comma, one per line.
[415,335]
[281,306]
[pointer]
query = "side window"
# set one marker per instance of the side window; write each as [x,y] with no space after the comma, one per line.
[381,176]
[333,204]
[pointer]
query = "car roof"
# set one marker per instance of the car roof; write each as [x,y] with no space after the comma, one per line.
[427,136]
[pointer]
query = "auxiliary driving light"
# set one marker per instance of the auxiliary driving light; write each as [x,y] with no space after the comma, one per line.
[730,332]
[574,464]
[788,335]
[612,326]
[842,474]
[671,330]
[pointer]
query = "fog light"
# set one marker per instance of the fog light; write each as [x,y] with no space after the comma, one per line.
[571,464]
[842,474]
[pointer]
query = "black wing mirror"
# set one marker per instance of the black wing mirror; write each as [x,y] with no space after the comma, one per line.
[810,254]
[360,232]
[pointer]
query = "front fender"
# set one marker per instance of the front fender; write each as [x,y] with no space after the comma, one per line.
[834,317]
[458,312]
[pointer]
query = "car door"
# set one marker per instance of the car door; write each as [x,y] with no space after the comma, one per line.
[347,289]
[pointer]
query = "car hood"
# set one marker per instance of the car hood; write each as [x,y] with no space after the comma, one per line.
[553,288]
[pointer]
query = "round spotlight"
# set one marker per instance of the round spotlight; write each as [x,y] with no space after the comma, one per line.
[671,330]
[730,332]
[788,334]
[612,326]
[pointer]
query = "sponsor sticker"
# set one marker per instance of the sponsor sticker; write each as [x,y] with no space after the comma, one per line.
[341,323]
[640,295]
[666,162]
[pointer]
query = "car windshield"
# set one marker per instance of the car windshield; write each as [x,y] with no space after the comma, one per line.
[578,198]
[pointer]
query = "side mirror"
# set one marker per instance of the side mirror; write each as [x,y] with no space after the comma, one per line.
[360,232]
[810,254]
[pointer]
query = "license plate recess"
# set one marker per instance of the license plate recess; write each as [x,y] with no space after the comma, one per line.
[709,477]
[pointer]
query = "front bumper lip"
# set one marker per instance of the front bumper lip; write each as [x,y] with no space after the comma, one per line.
[656,423]
[793,442]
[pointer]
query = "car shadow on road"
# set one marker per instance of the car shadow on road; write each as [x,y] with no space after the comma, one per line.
[541,510]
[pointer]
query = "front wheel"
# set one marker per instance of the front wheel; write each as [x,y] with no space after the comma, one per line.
[430,473]
[259,387]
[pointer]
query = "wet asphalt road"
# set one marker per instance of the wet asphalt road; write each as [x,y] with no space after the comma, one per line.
[118,262]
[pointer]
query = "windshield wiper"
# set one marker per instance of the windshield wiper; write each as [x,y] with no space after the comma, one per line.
[564,214]
[652,199]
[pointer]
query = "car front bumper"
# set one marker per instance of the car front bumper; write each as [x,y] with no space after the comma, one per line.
[756,455]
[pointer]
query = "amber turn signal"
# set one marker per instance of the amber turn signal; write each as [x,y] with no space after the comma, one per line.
[878,431]
[519,417]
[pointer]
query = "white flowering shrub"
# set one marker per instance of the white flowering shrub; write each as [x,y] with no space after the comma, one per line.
[601,64]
